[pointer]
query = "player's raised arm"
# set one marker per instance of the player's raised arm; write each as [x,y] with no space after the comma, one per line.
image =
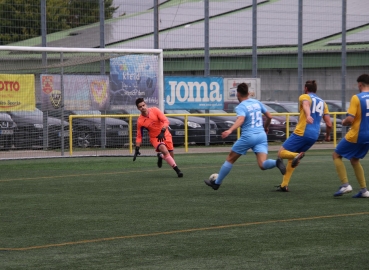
[236,125]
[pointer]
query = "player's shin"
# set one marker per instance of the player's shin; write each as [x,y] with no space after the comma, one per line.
[341,170]
[287,176]
[269,164]
[359,173]
[168,158]
[223,172]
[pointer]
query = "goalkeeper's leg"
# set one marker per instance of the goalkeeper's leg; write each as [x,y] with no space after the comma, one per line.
[169,159]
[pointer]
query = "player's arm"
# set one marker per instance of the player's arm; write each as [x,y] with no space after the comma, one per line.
[138,141]
[328,123]
[267,121]
[239,121]
[306,109]
[351,112]
[139,134]
[348,120]
[328,127]
[161,116]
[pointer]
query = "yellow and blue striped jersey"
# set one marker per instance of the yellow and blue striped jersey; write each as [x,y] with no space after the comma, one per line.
[318,108]
[359,109]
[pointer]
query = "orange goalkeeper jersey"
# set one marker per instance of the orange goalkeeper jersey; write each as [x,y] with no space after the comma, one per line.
[153,122]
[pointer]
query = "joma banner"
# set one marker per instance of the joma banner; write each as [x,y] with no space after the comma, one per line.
[193,93]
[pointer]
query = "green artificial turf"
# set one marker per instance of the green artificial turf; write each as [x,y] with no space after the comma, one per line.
[113,213]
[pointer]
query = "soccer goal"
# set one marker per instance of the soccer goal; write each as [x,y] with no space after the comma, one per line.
[42,89]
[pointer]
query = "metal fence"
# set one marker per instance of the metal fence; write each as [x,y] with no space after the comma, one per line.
[282,42]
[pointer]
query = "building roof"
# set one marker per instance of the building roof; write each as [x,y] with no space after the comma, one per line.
[181,29]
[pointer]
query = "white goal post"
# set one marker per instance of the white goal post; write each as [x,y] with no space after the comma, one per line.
[41,84]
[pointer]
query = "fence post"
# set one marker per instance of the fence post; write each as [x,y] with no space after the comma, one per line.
[300,56]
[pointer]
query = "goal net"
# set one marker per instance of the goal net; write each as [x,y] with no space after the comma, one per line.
[42,88]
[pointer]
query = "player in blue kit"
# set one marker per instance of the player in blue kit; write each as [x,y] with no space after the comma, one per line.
[355,145]
[312,110]
[253,136]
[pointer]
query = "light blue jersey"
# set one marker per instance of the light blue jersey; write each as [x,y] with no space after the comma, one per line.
[253,135]
[252,110]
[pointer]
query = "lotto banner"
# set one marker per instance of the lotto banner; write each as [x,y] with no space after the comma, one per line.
[81,92]
[17,92]
[201,93]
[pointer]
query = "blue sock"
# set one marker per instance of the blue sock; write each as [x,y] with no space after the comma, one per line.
[269,164]
[224,170]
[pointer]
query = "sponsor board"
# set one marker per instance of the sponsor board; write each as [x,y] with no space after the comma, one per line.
[80,92]
[230,87]
[132,77]
[17,92]
[205,93]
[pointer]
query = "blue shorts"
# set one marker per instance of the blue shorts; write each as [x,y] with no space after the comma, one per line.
[352,150]
[296,143]
[257,142]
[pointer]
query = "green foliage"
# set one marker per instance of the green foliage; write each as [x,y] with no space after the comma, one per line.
[87,12]
[21,19]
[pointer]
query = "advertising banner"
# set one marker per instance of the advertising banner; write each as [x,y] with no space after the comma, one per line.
[230,85]
[17,92]
[80,92]
[202,93]
[131,77]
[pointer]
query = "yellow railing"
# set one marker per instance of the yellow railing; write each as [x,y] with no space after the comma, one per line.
[130,116]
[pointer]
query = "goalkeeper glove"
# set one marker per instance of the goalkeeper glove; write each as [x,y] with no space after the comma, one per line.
[137,153]
[161,136]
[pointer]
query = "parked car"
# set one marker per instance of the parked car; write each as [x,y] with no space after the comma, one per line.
[29,131]
[223,122]
[336,106]
[7,126]
[196,128]
[292,107]
[277,127]
[176,127]
[87,132]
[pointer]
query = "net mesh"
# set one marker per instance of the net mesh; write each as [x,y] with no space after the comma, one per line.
[41,89]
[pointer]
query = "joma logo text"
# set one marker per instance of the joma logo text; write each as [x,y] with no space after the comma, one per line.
[193,92]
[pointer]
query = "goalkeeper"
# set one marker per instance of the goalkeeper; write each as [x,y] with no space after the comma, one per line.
[157,125]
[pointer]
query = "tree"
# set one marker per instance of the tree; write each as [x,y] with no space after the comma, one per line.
[88,11]
[21,19]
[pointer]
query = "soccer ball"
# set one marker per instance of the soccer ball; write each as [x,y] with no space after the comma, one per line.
[213,177]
